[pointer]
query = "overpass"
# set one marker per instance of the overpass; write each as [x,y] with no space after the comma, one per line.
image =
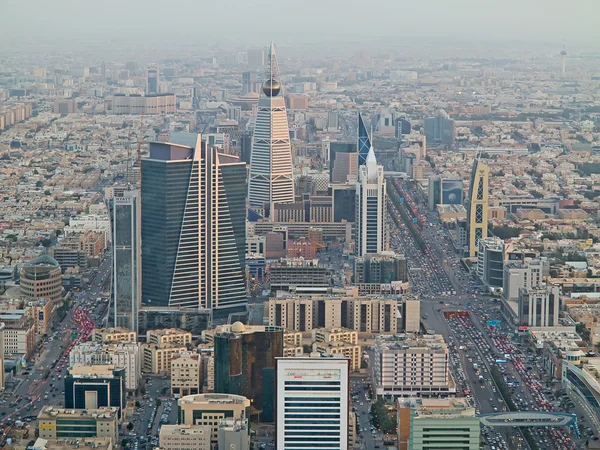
[529,419]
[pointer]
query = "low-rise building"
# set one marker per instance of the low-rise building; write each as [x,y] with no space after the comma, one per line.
[95,443]
[169,336]
[77,423]
[348,351]
[113,334]
[157,359]
[185,374]
[185,437]
[19,333]
[234,434]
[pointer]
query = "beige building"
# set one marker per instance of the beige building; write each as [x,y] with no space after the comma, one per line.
[411,313]
[168,336]
[157,359]
[185,437]
[137,104]
[42,278]
[185,374]
[75,423]
[335,334]
[40,312]
[348,351]
[211,410]
[415,365]
[69,444]
[113,335]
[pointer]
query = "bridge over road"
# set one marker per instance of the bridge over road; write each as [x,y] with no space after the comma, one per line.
[529,419]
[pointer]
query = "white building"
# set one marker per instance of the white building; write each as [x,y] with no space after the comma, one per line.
[271,179]
[416,365]
[126,355]
[538,307]
[312,402]
[370,223]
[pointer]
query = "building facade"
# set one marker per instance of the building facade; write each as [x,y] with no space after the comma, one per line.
[185,374]
[57,423]
[42,278]
[185,437]
[539,307]
[490,261]
[477,207]
[193,226]
[96,386]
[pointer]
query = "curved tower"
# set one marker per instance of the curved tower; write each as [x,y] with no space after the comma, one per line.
[271,179]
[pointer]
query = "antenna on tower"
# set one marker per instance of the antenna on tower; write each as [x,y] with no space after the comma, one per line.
[563,53]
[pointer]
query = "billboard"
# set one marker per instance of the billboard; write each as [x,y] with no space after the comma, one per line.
[452,192]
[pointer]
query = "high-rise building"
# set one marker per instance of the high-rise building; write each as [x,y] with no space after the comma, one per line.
[42,278]
[490,261]
[193,226]
[370,223]
[440,128]
[312,396]
[92,387]
[444,191]
[245,364]
[477,207]
[380,268]
[125,213]
[152,76]
[364,142]
[256,57]
[271,179]
[250,83]
[538,307]
[340,174]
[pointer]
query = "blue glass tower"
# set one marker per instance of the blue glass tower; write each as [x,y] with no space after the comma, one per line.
[364,143]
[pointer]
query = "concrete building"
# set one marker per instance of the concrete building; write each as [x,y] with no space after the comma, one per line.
[315,392]
[437,423]
[382,268]
[335,335]
[490,261]
[539,306]
[371,206]
[137,104]
[351,352]
[169,336]
[185,437]
[581,381]
[157,359]
[152,80]
[411,313]
[19,334]
[65,107]
[477,207]
[234,434]
[298,274]
[185,374]
[41,313]
[122,355]
[440,129]
[112,335]
[211,409]
[95,386]
[56,423]
[42,278]
[444,191]
[416,365]
[70,444]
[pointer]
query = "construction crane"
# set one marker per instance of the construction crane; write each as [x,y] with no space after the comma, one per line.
[139,152]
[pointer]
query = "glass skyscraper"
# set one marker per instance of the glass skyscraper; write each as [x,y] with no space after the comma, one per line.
[364,143]
[193,226]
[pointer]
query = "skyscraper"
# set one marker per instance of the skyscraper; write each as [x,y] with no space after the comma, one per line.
[440,128]
[477,206]
[364,143]
[193,226]
[370,223]
[271,179]
[152,75]
[312,397]
[127,271]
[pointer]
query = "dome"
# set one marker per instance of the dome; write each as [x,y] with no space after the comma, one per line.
[238,327]
[271,88]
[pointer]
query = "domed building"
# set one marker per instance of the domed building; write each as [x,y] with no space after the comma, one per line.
[42,278]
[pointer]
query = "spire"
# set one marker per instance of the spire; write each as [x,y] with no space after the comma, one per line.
[371,157]
[272,79]
[364,143]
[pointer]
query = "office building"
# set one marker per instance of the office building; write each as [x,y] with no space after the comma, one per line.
[385,267]
[152,80]
[299,275]
[440,129]
[477,207]
[343,198]
[125,213]
[19,334]
[113,335]
[250,83]
[211,409]
[185,374]
[443,191]
[244,364]
[138,104]
[55,423]
[333,120]
[95,386]
[185,437]
[447,423]
[157,360]
[490,261]
[120,355]
[271,180]
[192,319]
[524,275]
[345,168]
[403,127]
[539,306]
[364,141]
[65,107]
[371,207]
[41,313]
[2,377]
[67,257]
[307,312]
[312,403]
[415,365]
[42,278]
[193,227]
[234,434]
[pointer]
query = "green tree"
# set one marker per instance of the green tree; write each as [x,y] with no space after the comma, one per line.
[137,404]
[143,390]
[39,184]
[158,402]
[130,426]
[46,242]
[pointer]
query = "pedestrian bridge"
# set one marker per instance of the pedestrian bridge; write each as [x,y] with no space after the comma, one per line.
[528,419]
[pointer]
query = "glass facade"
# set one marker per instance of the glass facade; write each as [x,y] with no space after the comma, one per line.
[108,392]
[245,364]
[364,143]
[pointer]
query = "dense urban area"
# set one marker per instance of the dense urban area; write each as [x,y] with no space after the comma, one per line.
[282,247]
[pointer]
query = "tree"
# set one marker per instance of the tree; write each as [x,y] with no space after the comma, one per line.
[137,404]
[124,443]
[143,390]
[46,242]
[158,402]
[39,184]
[130,426]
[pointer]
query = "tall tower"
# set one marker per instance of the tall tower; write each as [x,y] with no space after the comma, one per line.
[370,223]
[152,75]
[563,54]
[271,179]
[364,143]
[477,206]
[193,226]
[125,224]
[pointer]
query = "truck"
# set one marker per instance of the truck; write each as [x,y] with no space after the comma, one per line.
[475,366]
[481,378]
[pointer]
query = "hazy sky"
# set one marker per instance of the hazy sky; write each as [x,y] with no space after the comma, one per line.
[260,20]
